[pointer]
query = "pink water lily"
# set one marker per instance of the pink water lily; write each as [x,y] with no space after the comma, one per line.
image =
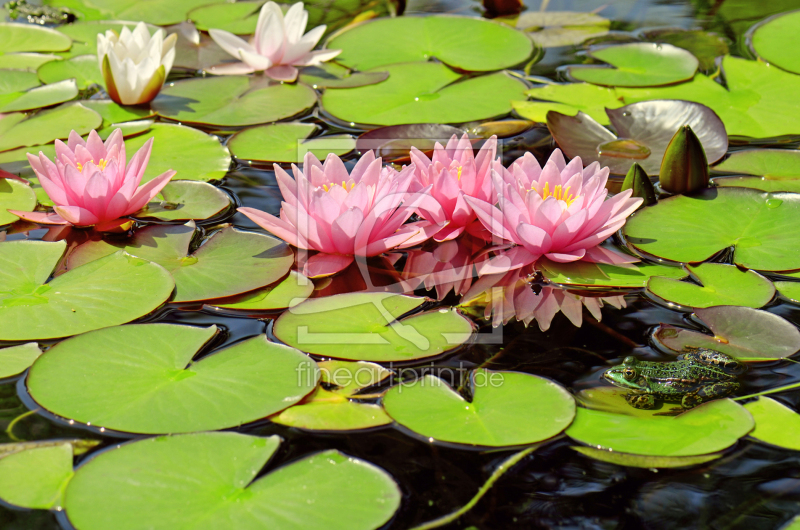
[559,211]
[343,215]
[447,266]
[90,182]
[278,45]
[454,172]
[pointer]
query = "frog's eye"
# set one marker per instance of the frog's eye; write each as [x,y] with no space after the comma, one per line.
[629,373]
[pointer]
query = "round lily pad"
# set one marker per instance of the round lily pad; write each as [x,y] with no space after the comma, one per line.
[158,12]
[183,200]
[228,263]
[773,163]
[15,195]
[647,462]
[206,481]
[775,39]
[756,224]
[789,290]
[114,113]
[705,429]
[110,291]
[363,327]
[334,75]
[612,399]
[424,93]
[142,379]
[31,38]
[287,142]
[41,96]
[490,46]
[745,333]
[17,130]
[16,359]
[288,292]
[719,284]
[776,424]
[25,61]
[232,101]
[83,69]
[36,478]
[507,408]
[239,18]
[637,64]
[602,275]
[12,81]
[551,29]
[759,183]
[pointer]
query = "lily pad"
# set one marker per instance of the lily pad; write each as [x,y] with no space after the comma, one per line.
[507,409]
[612,399]
[775,39]
[15,195]
[25,61]
[31,38]
[719,284]
[79,445]
[490,46]
[705,429]
[287,142]
[789,290]
[774,164]
[288,292]
[424,93]
[587,274]
[745,333]
[16,359]
[158,12]
[142,379]
[83,69]
[647,462]
[12,81]
[42,96]
[776,424]
[185,200]
[759,183]
[36,478]
[569,98]
[704,45]
[17,130]
[239,18]
[551,29]
[334,75]
[232,101]
[363,327]
[110,291]
[115,113]
[332,408]
[395,142]
[757,225]
[637,64]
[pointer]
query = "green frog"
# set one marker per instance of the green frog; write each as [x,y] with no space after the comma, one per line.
[702,375]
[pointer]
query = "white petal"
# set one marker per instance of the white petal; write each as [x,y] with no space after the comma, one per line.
[230,42]
[269,12]
[258,62]
[295,22]
[271,39]
[320,56]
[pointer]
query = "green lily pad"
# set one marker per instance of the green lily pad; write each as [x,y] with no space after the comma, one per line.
[25,61]
[775,40]
[637,64]
[363,327]
[239,18]
[647,462]
[759,183]
[115,113]
[15,195]
[705,429]
[16,359]
[704,45]
[551,29]
[424,93]
[18,130]
[776,164]
[289,292]
[147,381]
[12,81]
[158,12]
[776,424]
[601,275]
[569,99]
[719,285]
[612,399]
[431,408]
[184,200]
[228,263]
[83,69]
[334,75]
[287,142]
[232,101]
[36,478]
[129,128]
[84,33]
[110,291]
[41,96]
[490,46]
[789,290]
[332,408]
[745,333]
[31,38]
[79,445]
[757,225]
[205,481]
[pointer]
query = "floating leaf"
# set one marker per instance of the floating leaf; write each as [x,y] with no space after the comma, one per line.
[16,359]
[745,333]
[115,113]
[17,130]
[31,38]
[759,183]
[719,284]
[287,142]
[42,96]
[424,93]
[179,480]
[637,64]
[12,81]
[239,18]
[776,424]
[775,164]
[551,29]
[186,200]
[612,399]
[647,462]
[36,478]
[363,327]
[289,292]
[83,69]
[334,75]
[142,379]
[431,408]
[601,275]
[704,45]
[231,101]
[25,61]
[775,40]
[789,290]
[569,99]
[15,195]
[79,446]
[758,226]
[490,46]
[158,12]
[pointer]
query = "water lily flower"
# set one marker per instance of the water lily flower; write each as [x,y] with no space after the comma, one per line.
[449,265]
[559,211]
[454,172]
[134,64]
[90,183]
[345,215]
[278,45]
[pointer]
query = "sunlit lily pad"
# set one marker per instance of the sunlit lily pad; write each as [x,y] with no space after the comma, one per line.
[15,195]
[25,61]
[758,226]
[232,100]
[230,262]
[17,130]
[31,38]
[776,424]
[41,96]
[36,478]
[704,45]
[507,408]
[83,69]
[114,113]
[289,292]
[239,18]
[12,81]
[569,98]
[745,333]
[158,12]
[637,64]
[16,359]
[719,284]
[612,399]
[705,429]
[179,480]
[287,142]
[110,291]
[789,290]
[550,29]
[362,327]
[772,163]
[79,445]
[142,379]
[424,93]
[647,462]
[334,75]
[185,200]
[601,275]
[776,39]
[759,183]
[490,46]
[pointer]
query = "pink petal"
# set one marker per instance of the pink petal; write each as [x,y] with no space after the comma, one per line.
[282,72]
[146,192]
[276,226]
[344,229]
[76,215]
[232,69]
[566,257]
[321,264]
[42,218]
[508,260]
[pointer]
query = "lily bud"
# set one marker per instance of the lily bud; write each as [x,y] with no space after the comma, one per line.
[134,64]
[684,168]
[638,181]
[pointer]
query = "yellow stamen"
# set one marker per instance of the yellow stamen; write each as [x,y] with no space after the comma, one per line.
[559,193]
[460,169]
[344,186]
[101,165]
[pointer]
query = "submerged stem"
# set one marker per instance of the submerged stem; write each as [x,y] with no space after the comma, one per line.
[10,428]
[771,391]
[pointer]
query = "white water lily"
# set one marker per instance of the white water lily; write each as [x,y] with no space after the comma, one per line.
[134,64]
[278,45]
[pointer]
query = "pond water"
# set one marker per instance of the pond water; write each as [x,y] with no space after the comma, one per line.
[749,484]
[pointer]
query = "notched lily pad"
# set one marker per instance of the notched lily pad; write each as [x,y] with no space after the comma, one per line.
[186,200]
[334,75]
[18,130]
[287,142]
[36,477]
[16,359]
[40,96]
[289,292]
[637,64]
[775,39]
[776,424]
